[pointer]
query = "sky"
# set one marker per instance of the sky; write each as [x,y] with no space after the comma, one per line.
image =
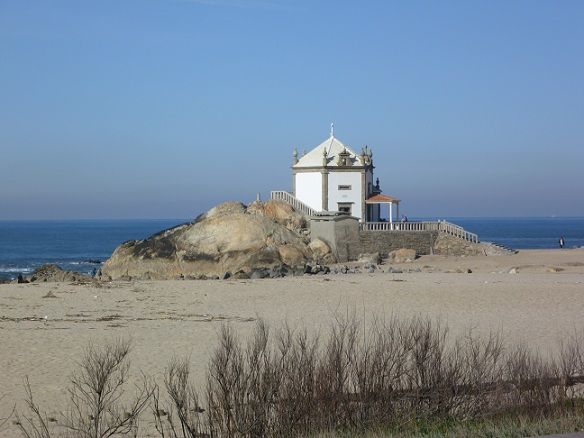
[163,108]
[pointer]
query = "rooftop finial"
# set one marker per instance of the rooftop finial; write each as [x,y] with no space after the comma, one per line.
[332,129]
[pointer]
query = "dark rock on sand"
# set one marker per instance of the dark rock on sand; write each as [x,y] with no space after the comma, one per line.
[259,273]
[280,271]
[316,269]
[52,273]
[240,275]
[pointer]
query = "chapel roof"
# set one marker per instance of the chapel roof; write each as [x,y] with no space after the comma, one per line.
[333,147]
[381,198]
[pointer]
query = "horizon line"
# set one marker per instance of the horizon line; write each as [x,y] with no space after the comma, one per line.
[193,218]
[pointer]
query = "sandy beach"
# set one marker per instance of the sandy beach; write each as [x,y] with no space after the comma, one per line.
[44,327]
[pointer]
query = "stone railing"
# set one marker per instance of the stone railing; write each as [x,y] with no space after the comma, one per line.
[442,226]
[298,205]
[457,231]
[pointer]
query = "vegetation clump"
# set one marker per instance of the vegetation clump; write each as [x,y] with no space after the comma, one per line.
[394,378]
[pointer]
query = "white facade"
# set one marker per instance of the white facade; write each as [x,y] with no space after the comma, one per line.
[345,188]
[308,188]
[332,177]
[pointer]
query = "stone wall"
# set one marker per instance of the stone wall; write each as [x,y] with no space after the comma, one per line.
[346,241]
[385,241]
[340,233]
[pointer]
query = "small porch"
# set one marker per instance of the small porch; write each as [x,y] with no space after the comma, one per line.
[373,208]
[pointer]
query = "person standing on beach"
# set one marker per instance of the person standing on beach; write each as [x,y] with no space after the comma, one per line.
[562,242]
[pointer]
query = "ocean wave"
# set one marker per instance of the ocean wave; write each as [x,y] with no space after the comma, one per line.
[81,262]
[16,270]
[28,268]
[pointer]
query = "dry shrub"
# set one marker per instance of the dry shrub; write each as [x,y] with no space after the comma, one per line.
[387,377]
[95,409]
[4,420]
[390,376]
[180,417]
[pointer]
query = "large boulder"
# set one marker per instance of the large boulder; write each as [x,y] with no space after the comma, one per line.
[373,258]
[292,255]
[228,238]
[402,255]
[280,212]
[321,252]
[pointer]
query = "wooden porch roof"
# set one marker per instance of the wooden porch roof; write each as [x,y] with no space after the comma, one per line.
[381,199]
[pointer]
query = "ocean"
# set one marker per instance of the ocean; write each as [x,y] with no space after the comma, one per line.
[82,245]
[74,245]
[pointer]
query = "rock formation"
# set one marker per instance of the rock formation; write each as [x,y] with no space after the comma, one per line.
[402,255]
[228,238]
[52,273]
[281,212]
[321,251]
[453,246]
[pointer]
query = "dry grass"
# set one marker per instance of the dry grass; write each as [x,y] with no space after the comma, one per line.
[399,377]
[394,378]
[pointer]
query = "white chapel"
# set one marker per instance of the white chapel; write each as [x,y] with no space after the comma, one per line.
[332,177]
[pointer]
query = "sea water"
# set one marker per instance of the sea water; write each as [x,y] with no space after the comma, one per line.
[82,245]
[74,245]
[526,233]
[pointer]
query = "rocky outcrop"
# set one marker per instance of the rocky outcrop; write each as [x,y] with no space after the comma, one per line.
[454,246]
[52,273]
[403,255]
[228,238]
[280,212]
[321,251]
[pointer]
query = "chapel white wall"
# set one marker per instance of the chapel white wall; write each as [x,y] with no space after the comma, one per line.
[309,189]
[335,179]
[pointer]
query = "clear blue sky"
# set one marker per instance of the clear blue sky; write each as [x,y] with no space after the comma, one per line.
[162,108]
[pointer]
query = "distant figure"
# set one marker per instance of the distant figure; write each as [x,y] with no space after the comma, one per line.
[562,242]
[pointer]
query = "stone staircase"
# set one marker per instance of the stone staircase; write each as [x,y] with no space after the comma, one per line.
[503,248]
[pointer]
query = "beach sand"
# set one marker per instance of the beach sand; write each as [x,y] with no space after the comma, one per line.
[45,327]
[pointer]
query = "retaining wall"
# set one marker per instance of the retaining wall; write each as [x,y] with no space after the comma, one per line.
[340,233]
[387,241]
[346,241]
